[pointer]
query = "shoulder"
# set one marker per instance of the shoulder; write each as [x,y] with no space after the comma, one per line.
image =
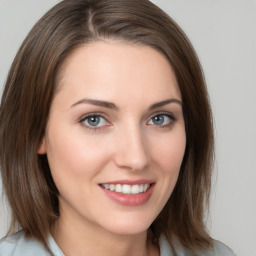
[222,249]
[17,244]
[219,249]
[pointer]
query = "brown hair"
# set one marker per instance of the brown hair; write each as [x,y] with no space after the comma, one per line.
[30,88]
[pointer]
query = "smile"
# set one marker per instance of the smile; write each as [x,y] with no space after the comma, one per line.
[126,188]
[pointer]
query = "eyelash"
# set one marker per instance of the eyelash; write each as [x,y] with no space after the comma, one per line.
[171,117]
[100,115]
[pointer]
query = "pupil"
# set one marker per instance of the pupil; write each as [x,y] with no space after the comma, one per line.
[158,119]
[94,120]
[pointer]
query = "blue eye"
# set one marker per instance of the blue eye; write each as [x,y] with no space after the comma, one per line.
[161,120]
[94,121]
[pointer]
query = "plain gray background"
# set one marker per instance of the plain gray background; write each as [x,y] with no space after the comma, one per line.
[223,33]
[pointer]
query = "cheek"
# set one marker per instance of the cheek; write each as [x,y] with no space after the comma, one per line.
[167,157]
[74,156]
[169,153]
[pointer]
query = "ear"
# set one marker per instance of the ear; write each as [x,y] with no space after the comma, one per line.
[42,147]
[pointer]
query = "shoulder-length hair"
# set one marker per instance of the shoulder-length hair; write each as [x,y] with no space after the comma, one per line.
[31,86]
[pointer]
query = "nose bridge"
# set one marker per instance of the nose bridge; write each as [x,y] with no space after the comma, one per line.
[132,151]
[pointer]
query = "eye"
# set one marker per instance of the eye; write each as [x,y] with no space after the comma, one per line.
[162,120]
[94,121]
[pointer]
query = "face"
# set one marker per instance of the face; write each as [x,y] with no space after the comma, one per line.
[115,138]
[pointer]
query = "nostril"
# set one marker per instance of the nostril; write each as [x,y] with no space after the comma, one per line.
[131,150]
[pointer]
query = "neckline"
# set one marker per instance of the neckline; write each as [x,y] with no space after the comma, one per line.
[165,248]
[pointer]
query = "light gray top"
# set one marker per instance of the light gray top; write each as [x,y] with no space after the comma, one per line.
[17,245]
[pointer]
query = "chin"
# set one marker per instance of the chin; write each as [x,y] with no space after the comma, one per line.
[131,226]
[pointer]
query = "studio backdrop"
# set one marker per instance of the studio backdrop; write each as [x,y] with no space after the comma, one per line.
[223,33]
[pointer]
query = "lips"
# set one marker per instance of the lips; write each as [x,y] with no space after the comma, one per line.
[130,193]
[126,188]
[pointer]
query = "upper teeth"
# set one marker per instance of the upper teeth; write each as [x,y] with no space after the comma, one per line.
[127,189]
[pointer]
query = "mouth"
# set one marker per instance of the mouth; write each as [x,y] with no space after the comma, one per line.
[126,188]
[129,193]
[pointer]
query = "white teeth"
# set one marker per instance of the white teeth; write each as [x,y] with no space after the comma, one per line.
[135,189]
[127,189]
[107,186]
[118,188]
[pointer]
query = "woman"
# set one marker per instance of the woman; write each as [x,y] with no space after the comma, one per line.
[106,136]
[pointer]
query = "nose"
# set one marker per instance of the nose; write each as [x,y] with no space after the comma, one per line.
[131,151]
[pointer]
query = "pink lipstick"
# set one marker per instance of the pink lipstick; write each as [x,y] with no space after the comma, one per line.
[130,193]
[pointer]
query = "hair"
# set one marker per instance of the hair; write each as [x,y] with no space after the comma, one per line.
[32,83]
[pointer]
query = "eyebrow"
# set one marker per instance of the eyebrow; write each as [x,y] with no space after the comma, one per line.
[100,103]
[165,102]
[110,105]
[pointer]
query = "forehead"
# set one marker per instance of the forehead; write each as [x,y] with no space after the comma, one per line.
[116,68]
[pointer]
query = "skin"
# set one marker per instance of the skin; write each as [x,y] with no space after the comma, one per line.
[127,144]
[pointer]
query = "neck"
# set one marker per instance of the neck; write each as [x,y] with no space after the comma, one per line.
[75,239]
